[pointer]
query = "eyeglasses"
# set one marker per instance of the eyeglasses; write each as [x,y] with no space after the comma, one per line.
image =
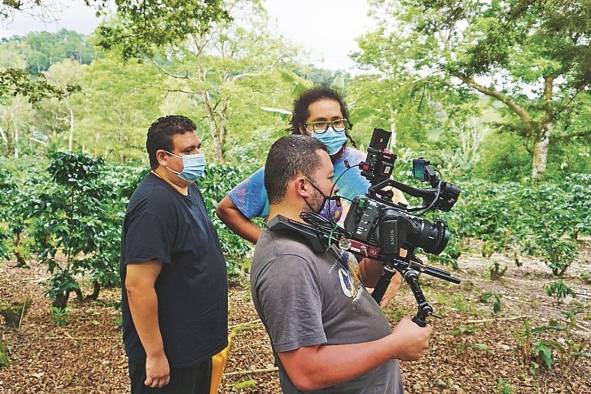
[321,126]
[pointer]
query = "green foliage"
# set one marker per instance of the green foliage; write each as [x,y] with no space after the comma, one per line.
[496,271]
[218,180]
[541,220]
[245,384]
[18,82]
[543,351]
[4,360]
[493,298]
[157,24]
[559,289]
[504,387]
[6,186]
[77,215]
[116,129]
[42,49]
[529,54]
[17,186]
[538,346]
[60,316]
[503,158]
[463,330]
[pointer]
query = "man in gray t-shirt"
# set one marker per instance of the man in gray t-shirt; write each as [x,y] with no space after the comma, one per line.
[328,334]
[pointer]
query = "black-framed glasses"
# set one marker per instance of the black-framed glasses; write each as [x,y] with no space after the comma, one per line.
[321,126]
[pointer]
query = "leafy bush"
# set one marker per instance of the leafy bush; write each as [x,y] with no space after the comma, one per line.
[503,158]
[218,181]
[559,290]
[76,213]
[487,297]
[542,220]
[15,213]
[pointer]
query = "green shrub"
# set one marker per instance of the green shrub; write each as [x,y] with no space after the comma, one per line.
[503,158]
[559,290]
[218,181]
[494,298]
[76,224]
[541,220]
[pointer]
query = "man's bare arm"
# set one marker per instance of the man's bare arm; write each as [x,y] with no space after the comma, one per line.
[316,367]
[143,305]
[233,218]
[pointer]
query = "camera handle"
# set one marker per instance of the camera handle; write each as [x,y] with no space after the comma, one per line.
[412,278]
[424,309]
[380,289]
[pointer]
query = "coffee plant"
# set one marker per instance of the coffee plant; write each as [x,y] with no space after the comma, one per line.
[218,181]
[543,221]
[76,214]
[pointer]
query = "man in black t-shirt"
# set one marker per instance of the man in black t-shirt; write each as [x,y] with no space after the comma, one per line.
[173,273]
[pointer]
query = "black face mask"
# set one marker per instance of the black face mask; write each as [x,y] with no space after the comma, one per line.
[330,209]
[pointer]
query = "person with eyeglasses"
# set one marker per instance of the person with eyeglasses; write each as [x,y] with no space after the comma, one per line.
[319,112]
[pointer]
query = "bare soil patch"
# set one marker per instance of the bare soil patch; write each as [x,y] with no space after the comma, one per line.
[472,350]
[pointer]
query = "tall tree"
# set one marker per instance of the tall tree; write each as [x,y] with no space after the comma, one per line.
[117,103]
[532,56]
[63,74]
[210,66]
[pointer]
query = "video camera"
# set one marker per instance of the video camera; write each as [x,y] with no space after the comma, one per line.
[379,228]
[377,220]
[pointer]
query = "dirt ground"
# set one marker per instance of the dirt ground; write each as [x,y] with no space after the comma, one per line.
[472,350]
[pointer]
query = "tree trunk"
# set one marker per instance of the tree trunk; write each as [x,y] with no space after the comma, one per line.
[71,136]
[20,259]
[96,289]
[61,300]
[79,295]
[540,157]
[9,143]
[16,142]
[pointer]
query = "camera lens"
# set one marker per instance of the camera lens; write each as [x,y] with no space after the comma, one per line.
[431,237]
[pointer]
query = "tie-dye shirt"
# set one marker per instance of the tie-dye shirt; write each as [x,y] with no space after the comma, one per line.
[250,196]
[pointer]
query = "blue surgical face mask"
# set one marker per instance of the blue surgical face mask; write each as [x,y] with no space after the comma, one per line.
[193,166]
[333,140]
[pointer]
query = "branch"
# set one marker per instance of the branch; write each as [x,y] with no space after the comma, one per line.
[262,370]
[497,319]
[163,71]
[548,116]
[206,38]
[508,101]
[573,97]
[583,133]
[253,74]
[181,91]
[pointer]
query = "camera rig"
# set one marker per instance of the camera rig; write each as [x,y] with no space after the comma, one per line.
[376,227]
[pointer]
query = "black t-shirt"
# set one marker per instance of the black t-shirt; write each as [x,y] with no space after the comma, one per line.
[161,224]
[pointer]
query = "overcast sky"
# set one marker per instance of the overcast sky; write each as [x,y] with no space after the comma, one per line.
[325,28]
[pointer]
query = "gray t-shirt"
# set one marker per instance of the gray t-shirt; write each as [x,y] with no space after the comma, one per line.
[308,299]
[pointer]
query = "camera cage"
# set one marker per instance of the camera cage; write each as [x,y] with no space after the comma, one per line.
[321,233]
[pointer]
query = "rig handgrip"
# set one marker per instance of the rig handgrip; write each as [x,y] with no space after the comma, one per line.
[380,289]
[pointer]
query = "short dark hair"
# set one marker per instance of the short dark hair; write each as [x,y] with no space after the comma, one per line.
[161,132]
[300,107]
[289,156]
